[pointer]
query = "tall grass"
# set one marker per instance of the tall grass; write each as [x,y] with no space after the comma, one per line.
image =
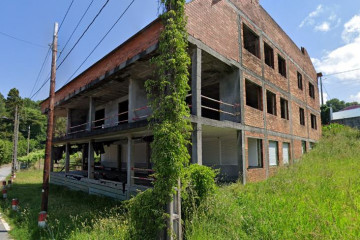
[317,198]
[72,215]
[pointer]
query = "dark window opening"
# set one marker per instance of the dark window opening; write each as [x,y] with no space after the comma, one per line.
[209,108]
[303,147]
[99,118]
[311,90]
[284,104]
[251,41]
[269,55]
[282,66]
[271,102]
[313,122]
[302,116]
[253,95]
[300,82]
[123,112]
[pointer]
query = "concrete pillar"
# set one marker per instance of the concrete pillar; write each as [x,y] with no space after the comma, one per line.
[67,157]
[91,114]
[174,220]
[241,156]
[91,161]
[196,82]
[68,120]
[197,144]
[130,165]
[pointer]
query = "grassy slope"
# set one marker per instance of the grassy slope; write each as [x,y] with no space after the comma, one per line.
[73,215]
[317,198]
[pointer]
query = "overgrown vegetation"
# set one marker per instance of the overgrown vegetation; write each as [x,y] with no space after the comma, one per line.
[30,115]
[169,123]
[72,215]
[317,198]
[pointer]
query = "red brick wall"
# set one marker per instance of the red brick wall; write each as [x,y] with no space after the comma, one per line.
[215,24]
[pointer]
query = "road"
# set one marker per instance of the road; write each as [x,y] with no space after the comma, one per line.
[4,172]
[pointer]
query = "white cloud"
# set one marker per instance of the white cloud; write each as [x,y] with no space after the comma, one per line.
[309,20]
[323,27]
[344,58]
[351,29]
[355,98]
[322,19]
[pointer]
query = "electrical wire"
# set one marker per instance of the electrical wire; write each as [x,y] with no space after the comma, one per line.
[71,35]
[82,35]
[337,73]
[22,40]
[41,69]
[102,39]
[67,11]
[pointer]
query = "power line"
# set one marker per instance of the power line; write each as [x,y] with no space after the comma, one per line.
[76,28]
[352,70]
[67,11]
[41,69]
[22,40]
[46,80]
[97,45]
[107,1]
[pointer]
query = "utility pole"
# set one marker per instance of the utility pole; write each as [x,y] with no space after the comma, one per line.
[28,142]
[15,142]
[49,133]
[319,75]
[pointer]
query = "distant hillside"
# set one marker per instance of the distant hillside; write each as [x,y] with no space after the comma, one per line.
[317,198]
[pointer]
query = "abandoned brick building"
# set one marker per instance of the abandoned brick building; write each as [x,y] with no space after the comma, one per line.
[254,102]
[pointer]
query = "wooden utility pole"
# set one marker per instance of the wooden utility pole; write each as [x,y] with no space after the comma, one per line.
[28,142]
[50,126]
[319,75]
[15,142]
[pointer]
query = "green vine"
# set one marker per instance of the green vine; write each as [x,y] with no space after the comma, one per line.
[170,123]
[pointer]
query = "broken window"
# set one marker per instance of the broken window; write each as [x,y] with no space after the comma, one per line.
[313,121]
[284,105]
[273,153]
[253,95]
[302,116]
[99,118]
[123,112]
[269,55]
[251,41]
[282,65]
[271,102]
[300,81]
[311,90]
[255,153]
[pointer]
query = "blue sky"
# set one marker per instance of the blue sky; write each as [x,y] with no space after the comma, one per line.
[328,29]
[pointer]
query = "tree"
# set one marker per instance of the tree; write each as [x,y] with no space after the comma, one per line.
[13,99]
[339,105]
[2,106]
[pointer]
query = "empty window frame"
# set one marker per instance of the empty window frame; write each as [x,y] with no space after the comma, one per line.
[313,121]
[284,106]
[123,112]
[311,90]
[255,153]
[99,118]
[251,41]
[286,153]
[303,147]
[271,102]
[273,153]
[302,116]
[300,81]
[253,95]
[269,55]
[282,65]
